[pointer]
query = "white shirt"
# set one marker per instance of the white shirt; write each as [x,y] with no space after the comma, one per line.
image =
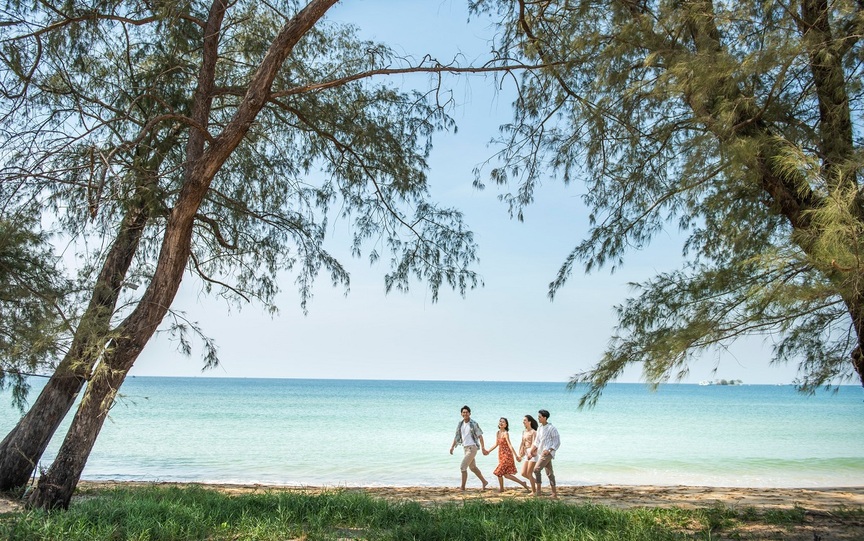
[467,437]
[547,438]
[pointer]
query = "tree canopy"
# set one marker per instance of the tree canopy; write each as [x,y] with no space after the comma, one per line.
[33,291]
[736,123]
[216,138]
[103,91]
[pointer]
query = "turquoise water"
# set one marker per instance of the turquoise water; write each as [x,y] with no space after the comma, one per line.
[358,432]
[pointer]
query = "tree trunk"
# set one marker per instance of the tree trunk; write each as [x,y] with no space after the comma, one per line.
[23,446]
[793,197]
[55,488]
[52,491]
[856,311]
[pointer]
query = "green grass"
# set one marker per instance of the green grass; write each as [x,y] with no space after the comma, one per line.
[155,513]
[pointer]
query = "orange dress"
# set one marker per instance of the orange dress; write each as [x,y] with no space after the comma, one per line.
[506,464]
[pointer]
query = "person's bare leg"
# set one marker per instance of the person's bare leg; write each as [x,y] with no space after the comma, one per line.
[464,480]
[516,480]
[473,467]
[482,479]
[500,484]
[527,474]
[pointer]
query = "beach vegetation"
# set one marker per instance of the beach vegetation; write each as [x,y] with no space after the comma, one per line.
[33,296]
[734,125]
[218,139]
[196,513]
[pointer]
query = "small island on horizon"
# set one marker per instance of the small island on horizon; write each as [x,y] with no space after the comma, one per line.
[721,382]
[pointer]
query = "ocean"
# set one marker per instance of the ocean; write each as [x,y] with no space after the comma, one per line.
[370,433]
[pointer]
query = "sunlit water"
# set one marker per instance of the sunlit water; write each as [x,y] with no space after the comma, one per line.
[348,432]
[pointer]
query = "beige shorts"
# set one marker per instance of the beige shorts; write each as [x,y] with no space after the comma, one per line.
[468,460]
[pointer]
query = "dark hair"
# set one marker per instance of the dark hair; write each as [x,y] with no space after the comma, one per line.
[544,413]
[506,424]
[532,421]
[466,408]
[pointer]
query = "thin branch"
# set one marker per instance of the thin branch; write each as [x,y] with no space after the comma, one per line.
[239,91]
[207,278]
[214,227]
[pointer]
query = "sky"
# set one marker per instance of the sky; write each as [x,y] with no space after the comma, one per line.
[507,330]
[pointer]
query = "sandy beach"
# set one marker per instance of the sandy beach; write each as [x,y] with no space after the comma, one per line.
[617,496]
[823,506]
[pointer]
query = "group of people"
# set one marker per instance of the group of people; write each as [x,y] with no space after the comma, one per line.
[539,442]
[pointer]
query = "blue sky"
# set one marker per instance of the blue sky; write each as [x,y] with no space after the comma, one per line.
[507,330]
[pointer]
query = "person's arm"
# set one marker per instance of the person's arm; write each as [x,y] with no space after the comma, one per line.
[455,439]
[487,451]
[483,445]
[552,442]
[555,441]
[535,445]
[510,445]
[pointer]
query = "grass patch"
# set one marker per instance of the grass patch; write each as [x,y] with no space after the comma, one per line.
[159,513]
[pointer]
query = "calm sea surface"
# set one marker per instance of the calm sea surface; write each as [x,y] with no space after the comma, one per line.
[358,432]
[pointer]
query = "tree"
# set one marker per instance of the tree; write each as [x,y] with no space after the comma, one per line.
[32,292]
[739,123]
[216,139]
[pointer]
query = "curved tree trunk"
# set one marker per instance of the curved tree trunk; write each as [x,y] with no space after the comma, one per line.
[55,488]
[856,311]
[23,446]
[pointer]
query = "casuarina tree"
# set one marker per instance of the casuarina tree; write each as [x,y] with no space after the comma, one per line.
[215,139]
[737,124]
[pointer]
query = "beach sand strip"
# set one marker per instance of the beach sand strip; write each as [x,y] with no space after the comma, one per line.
[825,508]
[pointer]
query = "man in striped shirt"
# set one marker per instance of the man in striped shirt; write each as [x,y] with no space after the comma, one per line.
[546,442]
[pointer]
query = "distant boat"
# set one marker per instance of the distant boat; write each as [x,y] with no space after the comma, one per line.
[706,382]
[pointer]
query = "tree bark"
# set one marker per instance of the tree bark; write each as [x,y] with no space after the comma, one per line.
[791,197]
[837,146]
[55,488]
[23,446]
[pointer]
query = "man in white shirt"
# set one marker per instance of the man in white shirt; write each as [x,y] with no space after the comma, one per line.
[469,435]
[546,442]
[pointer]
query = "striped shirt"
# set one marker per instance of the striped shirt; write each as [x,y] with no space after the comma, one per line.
[547,438]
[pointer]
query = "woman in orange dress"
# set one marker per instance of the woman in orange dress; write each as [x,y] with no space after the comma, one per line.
[506,465]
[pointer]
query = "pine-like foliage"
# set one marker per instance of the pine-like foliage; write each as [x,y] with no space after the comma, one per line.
[32,294]
[736,123]
[209,137]
[96,117]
